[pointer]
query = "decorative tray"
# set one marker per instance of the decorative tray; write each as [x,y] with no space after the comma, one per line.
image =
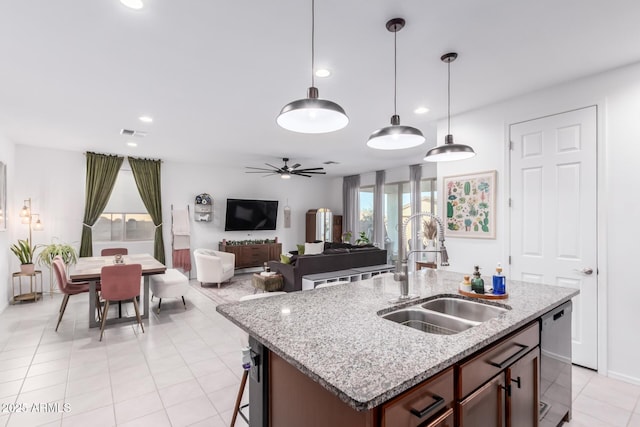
[483,296]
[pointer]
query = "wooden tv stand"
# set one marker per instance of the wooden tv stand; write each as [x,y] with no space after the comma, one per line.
[253,255]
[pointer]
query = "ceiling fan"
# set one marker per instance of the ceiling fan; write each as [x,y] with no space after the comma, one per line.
[286,171]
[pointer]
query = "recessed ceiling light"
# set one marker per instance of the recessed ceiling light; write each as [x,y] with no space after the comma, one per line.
[133,4]
[132,144]
[146,119]
[323,72]
[421,110]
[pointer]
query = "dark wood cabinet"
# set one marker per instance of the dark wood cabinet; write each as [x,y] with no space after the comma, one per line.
[499,386]
[331,226]
[253,255]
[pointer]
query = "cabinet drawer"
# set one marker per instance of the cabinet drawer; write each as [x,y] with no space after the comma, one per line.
[422,403]
[478,370]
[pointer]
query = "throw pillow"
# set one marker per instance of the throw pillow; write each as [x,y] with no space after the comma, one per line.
[300,249]
[285,258]
[313,248]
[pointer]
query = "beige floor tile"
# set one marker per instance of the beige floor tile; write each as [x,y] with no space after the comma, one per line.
[191,411]
[13,374]
[155,419]
[134,388]
[88,384]
[45,380]
[218,380]
[215,421]
[47,367]
[43,395]
[85,402]
[224,399]
[173,376]
[137,407]
[17,362]
[10,388]
[602,411]
[613,392]
[101,417]
[37,416]
[178,393]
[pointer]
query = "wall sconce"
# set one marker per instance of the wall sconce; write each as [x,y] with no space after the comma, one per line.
[30,218]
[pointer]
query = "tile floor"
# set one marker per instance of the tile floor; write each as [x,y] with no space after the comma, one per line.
[183,371]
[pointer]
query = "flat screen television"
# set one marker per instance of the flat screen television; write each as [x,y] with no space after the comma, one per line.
[243,214]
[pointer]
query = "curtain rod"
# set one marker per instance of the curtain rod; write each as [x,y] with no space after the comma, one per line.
[123,156]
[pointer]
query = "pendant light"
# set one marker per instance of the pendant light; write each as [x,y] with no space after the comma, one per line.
[312,114]
[449,151]
[396,136]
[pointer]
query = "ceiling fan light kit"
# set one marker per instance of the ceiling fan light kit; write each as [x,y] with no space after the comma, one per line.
[449,151]
[396,136]
[312,114]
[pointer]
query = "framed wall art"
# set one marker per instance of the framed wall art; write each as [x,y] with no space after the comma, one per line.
[470,208]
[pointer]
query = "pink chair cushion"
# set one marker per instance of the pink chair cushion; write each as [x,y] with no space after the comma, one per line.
[120,282]
[66,286]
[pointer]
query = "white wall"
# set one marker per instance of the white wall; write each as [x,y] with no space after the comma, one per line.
[6,238]
[617,95]
[55,181]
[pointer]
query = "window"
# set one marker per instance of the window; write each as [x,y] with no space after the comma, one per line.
[125,218]
[366,212]
[123,227]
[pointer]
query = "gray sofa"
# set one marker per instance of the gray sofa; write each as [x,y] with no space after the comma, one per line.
[339,260]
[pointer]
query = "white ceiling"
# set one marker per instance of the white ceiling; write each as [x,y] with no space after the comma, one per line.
[215,74]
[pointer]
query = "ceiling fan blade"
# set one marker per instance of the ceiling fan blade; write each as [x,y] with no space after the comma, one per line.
[275,167]
[260,169]
[261,172]
[311,169]
[301,174]
[297,165]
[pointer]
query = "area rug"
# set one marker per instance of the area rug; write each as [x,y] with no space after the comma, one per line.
[229,292]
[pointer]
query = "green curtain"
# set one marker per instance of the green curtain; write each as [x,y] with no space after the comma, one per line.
[147,175]
[102,171]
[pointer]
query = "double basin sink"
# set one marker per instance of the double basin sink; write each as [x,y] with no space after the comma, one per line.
[445,315]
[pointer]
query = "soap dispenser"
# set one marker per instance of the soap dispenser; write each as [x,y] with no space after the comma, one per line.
[477,284]
[499,282]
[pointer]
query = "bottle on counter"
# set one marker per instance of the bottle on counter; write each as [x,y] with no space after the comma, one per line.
[465,285]
[499,282]
[477,283]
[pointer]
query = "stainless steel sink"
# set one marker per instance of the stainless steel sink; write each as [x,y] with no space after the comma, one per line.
[444,315]
[469,310]
[429,321]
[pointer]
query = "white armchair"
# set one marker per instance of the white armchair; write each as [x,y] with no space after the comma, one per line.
[214,266]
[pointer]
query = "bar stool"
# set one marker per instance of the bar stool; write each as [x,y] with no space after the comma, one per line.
[246,363]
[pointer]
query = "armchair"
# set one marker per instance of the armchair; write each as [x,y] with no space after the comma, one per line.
[214,266]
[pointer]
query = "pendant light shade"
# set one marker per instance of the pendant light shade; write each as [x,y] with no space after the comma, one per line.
[449,150]
[312,114]
[396,136]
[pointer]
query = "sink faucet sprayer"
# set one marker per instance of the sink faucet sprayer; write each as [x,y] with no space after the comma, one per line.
[401,274]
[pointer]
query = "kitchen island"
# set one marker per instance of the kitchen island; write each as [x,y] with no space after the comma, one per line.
[336,338]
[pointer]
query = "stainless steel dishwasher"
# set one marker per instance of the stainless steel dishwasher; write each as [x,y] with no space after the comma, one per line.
[555,366]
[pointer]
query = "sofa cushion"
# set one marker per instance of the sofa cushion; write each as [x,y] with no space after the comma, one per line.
[285,258]
[313,248]
[300,249]
[336,251]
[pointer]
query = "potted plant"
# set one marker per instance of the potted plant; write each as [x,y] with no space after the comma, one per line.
[49,252]
[24,251]
[346,237]
[363,239]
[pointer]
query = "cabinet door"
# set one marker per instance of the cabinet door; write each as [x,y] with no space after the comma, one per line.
[522,399]
[486,406]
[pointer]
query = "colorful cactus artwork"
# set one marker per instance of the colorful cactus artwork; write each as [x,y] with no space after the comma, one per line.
[470,205]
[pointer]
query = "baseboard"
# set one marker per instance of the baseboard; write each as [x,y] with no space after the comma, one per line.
[625,378]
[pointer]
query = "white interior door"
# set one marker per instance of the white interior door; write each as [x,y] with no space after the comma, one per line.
[553,214]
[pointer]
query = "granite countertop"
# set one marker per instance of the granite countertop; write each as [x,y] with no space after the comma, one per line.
[335,336]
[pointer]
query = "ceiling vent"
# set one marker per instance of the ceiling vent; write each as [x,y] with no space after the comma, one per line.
[130,132]
[330,162]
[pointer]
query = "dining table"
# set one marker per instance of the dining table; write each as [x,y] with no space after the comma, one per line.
[88,269]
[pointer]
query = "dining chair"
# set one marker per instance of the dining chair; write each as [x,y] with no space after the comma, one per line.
[68,288]
[120,282]
[113,252]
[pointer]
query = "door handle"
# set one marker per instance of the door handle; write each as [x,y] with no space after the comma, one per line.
[587,270]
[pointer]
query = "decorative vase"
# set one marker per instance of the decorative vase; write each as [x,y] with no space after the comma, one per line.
[27,268]
[431,246]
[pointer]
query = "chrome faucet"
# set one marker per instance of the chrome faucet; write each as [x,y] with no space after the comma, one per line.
[401,273]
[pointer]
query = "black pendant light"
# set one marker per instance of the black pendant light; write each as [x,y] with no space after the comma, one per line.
[312,114]
[449,151]
[396,136]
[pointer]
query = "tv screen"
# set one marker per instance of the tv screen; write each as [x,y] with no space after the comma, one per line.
[245,215]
